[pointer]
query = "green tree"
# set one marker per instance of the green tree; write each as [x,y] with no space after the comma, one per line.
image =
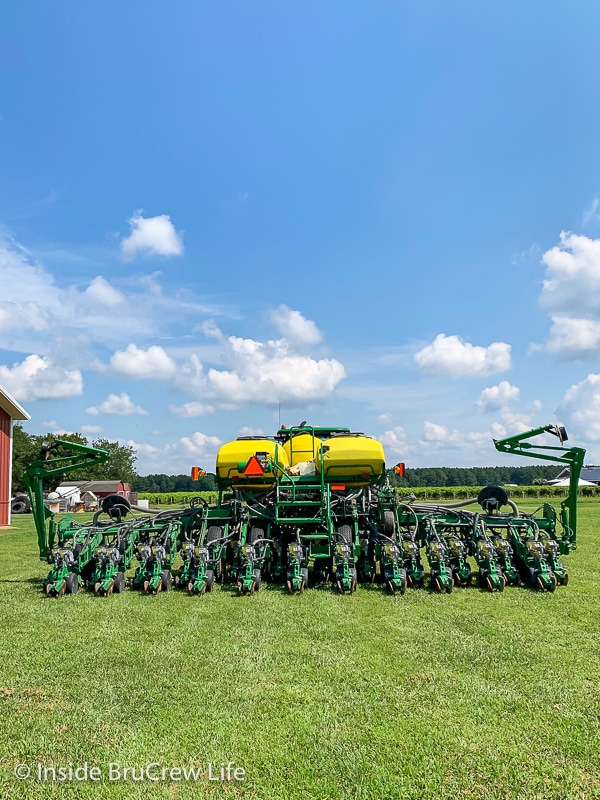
[27,448]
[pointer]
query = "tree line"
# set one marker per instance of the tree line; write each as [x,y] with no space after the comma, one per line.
[476,476]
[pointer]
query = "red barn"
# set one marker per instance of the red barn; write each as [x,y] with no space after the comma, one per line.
[10,410]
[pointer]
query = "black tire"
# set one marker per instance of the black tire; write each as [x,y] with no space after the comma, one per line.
[256,534]
[214,533]
[404,579]
[72,583]
[210,580]
[119,582]
[305,576]
[256,576]
[18,507]
[533,581]
[483,578]
[389,524]
[166,580]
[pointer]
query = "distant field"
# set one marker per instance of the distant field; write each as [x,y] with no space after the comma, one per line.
[468,695]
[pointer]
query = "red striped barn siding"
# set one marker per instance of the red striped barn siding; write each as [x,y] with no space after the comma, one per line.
[5,466]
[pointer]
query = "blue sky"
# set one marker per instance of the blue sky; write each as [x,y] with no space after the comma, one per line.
[382,215]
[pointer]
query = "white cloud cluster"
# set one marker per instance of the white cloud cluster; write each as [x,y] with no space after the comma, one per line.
[258,373]
[453,357]
[134,362]
[39,316]
[120,404]
[294,327]
[571,293]
[151,235]
[100,291]
[496,397]
[38,378]
[580,409]
[395,441]
[177,458]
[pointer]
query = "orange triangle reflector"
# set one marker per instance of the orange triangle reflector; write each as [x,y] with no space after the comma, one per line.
[253,467]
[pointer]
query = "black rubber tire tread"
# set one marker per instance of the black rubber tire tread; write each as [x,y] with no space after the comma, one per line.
[389,524]
[215,532]
[72,583]
[256,575]
[167,580]
[119,582]
[210,580]
[345,534]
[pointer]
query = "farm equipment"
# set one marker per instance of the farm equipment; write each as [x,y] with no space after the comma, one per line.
[310,505]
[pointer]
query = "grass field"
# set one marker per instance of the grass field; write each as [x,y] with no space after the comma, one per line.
[468,695]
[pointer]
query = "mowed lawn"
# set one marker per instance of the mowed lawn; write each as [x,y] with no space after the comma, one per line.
[468,695]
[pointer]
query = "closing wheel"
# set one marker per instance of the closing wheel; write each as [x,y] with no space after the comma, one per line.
[533,578]
[119,582]
[540,583]
[72,583]
[166,580]
[209,580]
[353,580]
[389,524]
[256,577]
[304,584]
[554,584]
[345,534]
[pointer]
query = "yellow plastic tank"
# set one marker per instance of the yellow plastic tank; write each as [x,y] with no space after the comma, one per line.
[233,456]
[302,447]
[353,459]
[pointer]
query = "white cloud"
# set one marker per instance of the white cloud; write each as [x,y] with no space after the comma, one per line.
[580,408]
[258,373]
[451,356]
[437,436]
[384,419]
[496,397]
[120,404]
[90,429]
[151,235]
[177,458]
[294,327]
[192,410]
[246,431]
[38,378]
[100,291]
[575,337]
[571,293]
[32,304]
[134,362]
[395,441]
[572,282]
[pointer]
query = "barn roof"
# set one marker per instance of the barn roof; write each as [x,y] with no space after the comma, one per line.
[589,473]
[97,486]
[10,405]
